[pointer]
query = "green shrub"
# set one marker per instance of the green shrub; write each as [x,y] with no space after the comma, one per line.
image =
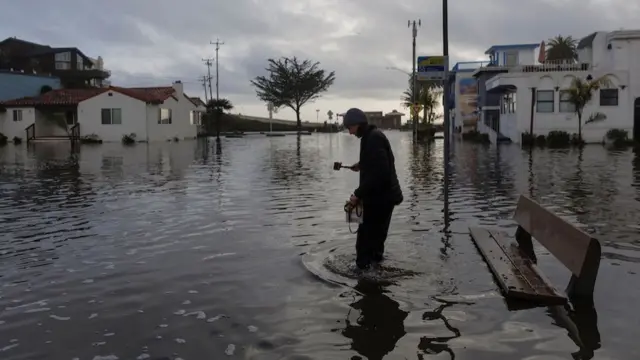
[3,139]
[558,139]
[17,140]
[129,139]
[619,137]
[527,139]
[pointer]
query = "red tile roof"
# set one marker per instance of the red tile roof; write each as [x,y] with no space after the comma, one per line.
[71,97]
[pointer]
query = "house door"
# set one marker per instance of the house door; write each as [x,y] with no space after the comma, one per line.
[636,120]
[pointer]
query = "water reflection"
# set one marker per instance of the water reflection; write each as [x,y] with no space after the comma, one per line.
[581,323]
[438,344]
[379,325]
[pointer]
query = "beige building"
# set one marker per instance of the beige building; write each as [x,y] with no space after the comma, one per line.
[392,120]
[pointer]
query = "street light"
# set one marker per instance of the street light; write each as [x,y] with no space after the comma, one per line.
[398,69]
[317,114]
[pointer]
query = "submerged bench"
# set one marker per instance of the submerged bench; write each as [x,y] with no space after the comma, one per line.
[514,264]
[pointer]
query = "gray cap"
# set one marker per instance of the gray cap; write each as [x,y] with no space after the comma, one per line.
[354,116]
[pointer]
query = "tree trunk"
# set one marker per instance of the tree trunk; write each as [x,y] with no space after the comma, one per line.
[580,126]
[218,116]
[298,121]
[424,114]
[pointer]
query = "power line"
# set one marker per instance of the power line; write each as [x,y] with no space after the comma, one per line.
[217,44]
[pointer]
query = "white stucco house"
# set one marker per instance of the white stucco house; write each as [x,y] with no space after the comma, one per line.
[201,109]
[153,114]
[531,93]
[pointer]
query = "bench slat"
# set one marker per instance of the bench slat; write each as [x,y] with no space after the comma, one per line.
[515,276]
[566,242]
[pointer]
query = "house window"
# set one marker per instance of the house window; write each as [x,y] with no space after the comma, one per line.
[196,118]
[165,116]
[62,65]
[64,56]
[608,97]
[111,116]
[17,115]
[79,62]
[508,103]
[545,101]
[566,106]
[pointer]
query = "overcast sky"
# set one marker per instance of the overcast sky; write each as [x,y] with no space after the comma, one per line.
[154,42]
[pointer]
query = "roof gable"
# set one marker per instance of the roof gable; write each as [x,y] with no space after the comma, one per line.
[72,97]
[511,47]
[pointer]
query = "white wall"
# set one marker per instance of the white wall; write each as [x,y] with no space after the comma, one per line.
[180,126]
[11,128]
[134,117]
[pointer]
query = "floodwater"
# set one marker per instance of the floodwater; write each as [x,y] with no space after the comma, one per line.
[187,251]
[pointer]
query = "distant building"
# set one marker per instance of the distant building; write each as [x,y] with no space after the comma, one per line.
[152,113]
[533,90]
[392,120]
[72,66]
[15,85]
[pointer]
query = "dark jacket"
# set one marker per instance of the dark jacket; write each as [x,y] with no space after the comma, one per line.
[378,178]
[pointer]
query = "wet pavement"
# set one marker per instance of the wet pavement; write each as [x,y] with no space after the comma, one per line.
[189,251]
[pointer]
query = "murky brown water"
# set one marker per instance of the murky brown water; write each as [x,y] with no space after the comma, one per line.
[180,251]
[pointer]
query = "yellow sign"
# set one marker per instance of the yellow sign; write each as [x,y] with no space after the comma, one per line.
[416,108]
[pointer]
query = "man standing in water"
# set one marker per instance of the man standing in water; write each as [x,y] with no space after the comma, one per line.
[379,189]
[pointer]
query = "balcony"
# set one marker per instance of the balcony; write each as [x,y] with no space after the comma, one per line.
[548,66]
[83,74]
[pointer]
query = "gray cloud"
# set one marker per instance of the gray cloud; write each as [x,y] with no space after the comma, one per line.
[156,42]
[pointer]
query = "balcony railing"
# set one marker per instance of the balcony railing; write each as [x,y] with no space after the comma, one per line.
[547,66]
[551,66]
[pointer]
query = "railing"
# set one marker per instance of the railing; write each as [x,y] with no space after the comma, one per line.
[547,66]
[31,132]
[74,134]
[550,66]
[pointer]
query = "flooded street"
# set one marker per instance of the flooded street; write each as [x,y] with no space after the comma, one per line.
[185,251]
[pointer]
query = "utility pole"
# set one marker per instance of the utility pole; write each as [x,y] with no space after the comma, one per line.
[209,62]
[204,79]
[217,44]
[447,122]
[414,33]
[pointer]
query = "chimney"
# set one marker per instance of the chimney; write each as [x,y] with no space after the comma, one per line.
[178,87]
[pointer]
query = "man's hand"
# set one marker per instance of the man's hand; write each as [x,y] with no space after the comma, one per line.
[354,200]
[355,167]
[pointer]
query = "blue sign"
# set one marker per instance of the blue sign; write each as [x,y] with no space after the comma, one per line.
[431,67]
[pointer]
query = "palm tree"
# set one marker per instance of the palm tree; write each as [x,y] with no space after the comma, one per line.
[217,107]
[580,94]
[562,48]
[429,96]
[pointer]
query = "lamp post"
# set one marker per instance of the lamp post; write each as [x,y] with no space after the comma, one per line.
[414,33]
[317,114]
[447,130]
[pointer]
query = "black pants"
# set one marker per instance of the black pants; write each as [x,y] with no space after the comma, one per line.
[372,233]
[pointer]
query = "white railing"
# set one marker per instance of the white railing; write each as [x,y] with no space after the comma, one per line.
[551,65]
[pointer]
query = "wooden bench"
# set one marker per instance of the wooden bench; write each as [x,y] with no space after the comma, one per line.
[514,264]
